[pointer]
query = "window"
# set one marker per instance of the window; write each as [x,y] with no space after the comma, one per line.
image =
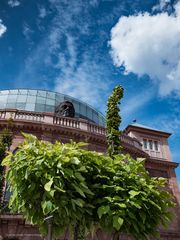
[156,146]
[150,144]
[145,143]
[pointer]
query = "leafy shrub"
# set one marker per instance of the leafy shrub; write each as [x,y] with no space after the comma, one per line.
[80,187]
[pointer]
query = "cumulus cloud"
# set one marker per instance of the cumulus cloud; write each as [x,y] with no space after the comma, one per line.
[164,5]
[2,28]
[150,44]
[13,3]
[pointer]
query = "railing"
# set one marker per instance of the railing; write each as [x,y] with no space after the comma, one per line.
[73,123]
[29,116]
[131,141]
[96,129]
[2,114]
[66,122]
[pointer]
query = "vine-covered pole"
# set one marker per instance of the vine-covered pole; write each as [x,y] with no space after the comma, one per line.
[5,143]
[113,121]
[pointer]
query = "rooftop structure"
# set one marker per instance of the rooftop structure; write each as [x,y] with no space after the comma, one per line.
[46,101]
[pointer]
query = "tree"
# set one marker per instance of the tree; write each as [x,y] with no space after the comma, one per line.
[113,121]
[85,189]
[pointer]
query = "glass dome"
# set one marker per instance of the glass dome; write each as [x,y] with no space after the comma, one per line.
[46,101]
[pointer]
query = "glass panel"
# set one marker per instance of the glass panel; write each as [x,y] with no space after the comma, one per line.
[40,107]
[31,99]
[156,145]
[50,101]
[41,93]
[150,144]
[145,143]
[89,113]
[5,92]
[3,98]
[11,105]
[41,100]
[2,105]
[23,91]
[22,98]
[82,109]
[30,106]
[76,106]
[95,117]
[51,95]
[59,99]
[49,108]
[101,121]
[12,98]
[66,98]
[20,106]
[15,91]
[32,92]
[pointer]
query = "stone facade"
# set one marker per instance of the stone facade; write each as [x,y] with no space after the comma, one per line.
[134,140]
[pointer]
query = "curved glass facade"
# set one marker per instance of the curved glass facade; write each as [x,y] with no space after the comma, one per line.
[46,101]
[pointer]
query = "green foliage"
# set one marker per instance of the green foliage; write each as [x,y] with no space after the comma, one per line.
[5,143]
[113,120]
[86,190]
[6,137]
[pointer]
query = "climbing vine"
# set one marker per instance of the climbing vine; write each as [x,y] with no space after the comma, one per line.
[5,143]
[113,121]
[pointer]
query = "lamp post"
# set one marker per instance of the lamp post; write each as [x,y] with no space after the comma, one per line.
[49,222]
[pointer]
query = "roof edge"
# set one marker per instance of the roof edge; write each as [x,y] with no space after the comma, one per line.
[142,128]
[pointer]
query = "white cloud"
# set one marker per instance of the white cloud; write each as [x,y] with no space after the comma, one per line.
[150,44]
[75,71]
[135,103]
[169,123]
[27,31]
[84,82]
[163,5]
[14,3]
[2,28]
[42,12]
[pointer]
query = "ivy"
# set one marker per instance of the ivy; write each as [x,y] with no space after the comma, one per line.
[113,121]
[85,190]
[5,143]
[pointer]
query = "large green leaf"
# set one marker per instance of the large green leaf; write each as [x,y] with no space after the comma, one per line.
[133,193]
[117,222]
[48,185]
[103,210]
[79,190]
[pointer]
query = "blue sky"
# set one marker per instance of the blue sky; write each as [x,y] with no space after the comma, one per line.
[86,47]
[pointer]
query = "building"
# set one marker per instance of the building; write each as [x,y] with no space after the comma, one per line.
[53,116]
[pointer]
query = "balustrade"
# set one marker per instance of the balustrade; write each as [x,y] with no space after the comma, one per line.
[2,115]
[131,141]
[66,122]
[63,122]
[29,116]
